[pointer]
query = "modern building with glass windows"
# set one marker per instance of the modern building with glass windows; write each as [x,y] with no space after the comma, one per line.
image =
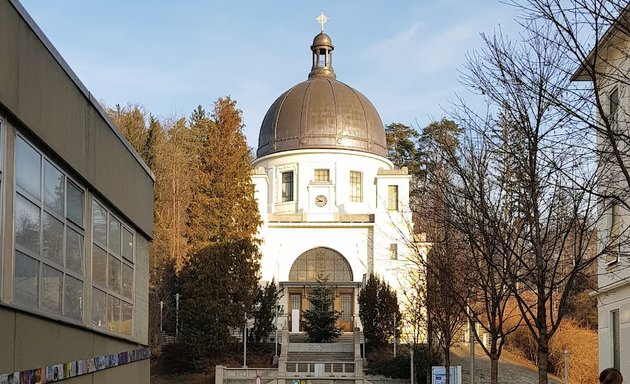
[333,206]
[75,223]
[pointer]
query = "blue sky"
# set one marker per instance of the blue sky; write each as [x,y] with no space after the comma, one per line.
[171,56]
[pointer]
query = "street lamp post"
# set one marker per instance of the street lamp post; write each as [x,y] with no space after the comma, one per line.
[245,343]
[177,296]
[395,334]
[161,310]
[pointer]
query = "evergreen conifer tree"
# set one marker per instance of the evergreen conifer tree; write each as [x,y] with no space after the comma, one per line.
[320,321]
[379,312]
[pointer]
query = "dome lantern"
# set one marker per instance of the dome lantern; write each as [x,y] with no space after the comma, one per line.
[322,52]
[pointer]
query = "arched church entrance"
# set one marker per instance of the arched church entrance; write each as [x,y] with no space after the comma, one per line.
[329,265]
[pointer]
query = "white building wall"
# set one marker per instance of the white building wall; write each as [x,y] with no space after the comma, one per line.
[291,228]
[613,292]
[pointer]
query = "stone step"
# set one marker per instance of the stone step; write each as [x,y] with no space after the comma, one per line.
[303,338]
[320,356]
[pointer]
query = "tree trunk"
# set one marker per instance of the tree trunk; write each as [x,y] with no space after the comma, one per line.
[494,370]
[447,364]
[494,361]
[543,359]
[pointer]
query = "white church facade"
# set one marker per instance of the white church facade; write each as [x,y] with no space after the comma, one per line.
[331,203]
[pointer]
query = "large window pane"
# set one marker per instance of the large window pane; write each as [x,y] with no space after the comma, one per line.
[114,278]
[99,220]
[52,281]
[392,197]
[127,317]
[113,313]
[53,239]
[73,298]
[287,186]
[114,235]
[127,281]
[54,187]
[75,204]
[25,284]
[99,302]
[74,251]
[127,244]
[27,167]
[356,186]
[99,266]
[27,224]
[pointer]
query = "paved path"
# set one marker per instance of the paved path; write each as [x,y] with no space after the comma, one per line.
[512,369]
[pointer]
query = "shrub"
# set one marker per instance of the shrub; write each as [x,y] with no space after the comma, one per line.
[580,342]
[176,358]
[399,367]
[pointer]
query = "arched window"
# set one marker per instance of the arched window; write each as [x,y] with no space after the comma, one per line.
[324,262]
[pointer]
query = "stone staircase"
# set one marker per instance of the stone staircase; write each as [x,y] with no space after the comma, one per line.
[320,356]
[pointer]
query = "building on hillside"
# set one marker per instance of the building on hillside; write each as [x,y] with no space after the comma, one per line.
[331,203]
[76,212]
[608,67]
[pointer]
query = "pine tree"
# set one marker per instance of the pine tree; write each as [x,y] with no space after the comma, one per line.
[320,321]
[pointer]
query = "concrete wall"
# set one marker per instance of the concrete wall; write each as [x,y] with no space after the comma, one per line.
[39,91]
[43,100]
[30,342]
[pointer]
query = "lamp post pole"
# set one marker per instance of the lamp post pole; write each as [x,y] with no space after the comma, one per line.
[161,309]
[411,358]
[566,366]
[177,296]
[395,334]
[245,343]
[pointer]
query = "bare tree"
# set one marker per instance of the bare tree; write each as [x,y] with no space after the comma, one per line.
[541,174]
[478,213]
[592,38]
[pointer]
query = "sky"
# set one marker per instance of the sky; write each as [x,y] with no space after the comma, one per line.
[406,56]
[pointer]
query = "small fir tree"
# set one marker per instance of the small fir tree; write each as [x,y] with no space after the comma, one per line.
[320,321]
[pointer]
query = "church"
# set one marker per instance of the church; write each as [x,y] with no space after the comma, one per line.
[331,203]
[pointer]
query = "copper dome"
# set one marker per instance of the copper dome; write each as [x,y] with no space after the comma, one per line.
[322,113]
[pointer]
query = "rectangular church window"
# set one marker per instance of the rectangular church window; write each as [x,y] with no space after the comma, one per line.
[346,307]
[393,251]
[356,186]
[287,186]
[392,197]
[322,175]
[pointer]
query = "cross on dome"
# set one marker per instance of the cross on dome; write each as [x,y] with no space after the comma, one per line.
[322,19]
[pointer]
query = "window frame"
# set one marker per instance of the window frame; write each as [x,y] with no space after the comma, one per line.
[289,197]
[112,294]
[613,106]
[393,203]
[67,224]
[393,251]
[356,186]
[321,175]
[612,257]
